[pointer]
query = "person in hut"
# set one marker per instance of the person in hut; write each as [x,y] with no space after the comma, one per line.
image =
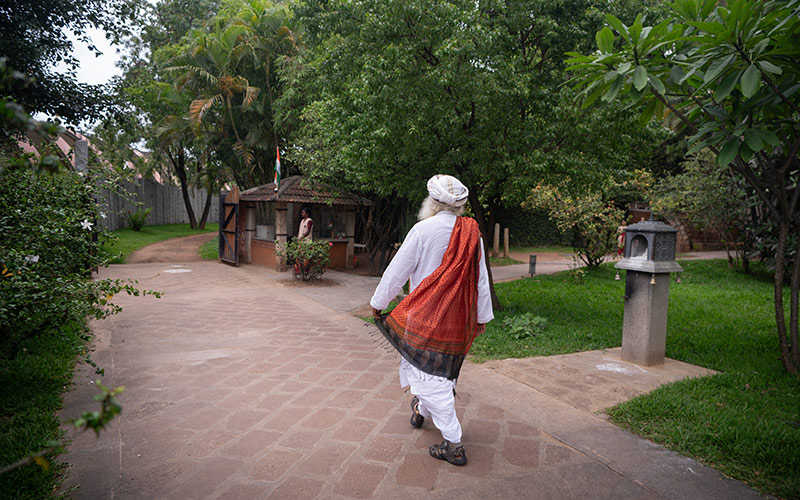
[304,232]
[448,306]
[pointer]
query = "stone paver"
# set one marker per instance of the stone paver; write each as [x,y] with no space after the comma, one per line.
[240,387]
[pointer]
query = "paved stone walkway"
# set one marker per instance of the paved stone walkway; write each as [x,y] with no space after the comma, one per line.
[240,387]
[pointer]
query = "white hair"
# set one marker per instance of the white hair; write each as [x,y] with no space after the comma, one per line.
[431,207]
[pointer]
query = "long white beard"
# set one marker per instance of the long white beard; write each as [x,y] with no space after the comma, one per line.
[431,207]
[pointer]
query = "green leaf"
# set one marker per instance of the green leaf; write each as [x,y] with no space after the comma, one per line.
[605,40]
[770,68]
[753,140]
[751,79]
[613,90]
[618,25]
[676,74]
[728,152]
[698,146]
[624,67]
[727,84]
[647,114]
[745,152]
[636,29]
[639,77]
[592,97]
[657,84]
[717,67]
[769,137]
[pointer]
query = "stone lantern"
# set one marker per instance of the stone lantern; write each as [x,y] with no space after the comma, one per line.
[649,258]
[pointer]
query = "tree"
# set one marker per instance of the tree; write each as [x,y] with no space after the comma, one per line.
[217,67]
[729,73]
[711,198]
[591,220]
[398,91]
[35,36]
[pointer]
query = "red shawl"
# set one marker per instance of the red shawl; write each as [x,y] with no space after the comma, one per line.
[434,326]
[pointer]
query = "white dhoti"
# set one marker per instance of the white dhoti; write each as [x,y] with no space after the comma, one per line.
[436,399]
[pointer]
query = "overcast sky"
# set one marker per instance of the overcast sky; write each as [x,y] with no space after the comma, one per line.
[95,70]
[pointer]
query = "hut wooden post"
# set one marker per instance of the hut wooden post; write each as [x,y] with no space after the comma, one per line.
[281,233]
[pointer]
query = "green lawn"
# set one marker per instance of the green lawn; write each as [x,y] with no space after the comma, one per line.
[503,261]
[129,240]
[210,249]
[566,250]
[32,385]
[744,421]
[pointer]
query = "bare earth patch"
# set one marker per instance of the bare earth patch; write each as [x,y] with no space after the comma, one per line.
[175,250]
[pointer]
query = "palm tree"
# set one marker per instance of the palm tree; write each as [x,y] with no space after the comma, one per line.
[231,70]
[208,69]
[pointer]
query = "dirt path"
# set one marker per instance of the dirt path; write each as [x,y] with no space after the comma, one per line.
[176,250]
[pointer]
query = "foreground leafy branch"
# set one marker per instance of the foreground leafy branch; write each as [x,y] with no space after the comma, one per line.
[730,74]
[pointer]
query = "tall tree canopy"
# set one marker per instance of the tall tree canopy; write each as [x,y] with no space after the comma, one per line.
[34,37]
[397,91]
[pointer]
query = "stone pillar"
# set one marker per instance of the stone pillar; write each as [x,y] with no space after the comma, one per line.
[649,260]
[644,326]
[350,233]
[505,243]
[281,227]
[496,243]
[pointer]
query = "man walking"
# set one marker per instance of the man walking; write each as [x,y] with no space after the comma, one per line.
[448,305]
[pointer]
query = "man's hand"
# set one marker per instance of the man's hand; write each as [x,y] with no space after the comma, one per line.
[481,329]
[376,313]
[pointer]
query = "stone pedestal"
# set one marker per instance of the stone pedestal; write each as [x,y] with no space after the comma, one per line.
[644,327]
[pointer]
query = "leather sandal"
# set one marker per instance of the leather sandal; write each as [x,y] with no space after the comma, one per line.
[456,456]
[416,419]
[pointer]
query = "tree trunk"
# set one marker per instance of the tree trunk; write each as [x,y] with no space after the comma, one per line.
[206,207]
[793,311]
[480,216]
[780,317]
[179,164]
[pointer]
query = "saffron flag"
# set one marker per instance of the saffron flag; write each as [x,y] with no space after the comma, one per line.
[278,170]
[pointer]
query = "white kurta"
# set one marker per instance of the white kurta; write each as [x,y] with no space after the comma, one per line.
[420,254]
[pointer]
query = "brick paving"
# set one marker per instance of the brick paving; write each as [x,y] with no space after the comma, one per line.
[239,387]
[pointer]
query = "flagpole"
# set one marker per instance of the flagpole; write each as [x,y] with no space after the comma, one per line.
[277,169]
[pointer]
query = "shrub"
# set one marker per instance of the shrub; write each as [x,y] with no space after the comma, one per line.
[48,256]
[137,219]
[524,326]
[309,258]
[592,220]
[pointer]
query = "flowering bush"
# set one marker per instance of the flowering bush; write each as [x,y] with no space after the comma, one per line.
[592,221]
[46,256]
[309,258]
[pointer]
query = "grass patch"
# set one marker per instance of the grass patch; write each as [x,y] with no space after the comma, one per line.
[130,241]
[210,250]
[744,422]
[503,261]
[32,385]
[566,250]
[579,317]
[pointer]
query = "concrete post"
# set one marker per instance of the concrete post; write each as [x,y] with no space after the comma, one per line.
[496,243]
[505,243]
[81,157]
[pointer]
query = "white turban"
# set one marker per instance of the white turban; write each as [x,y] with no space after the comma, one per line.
[448,190]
